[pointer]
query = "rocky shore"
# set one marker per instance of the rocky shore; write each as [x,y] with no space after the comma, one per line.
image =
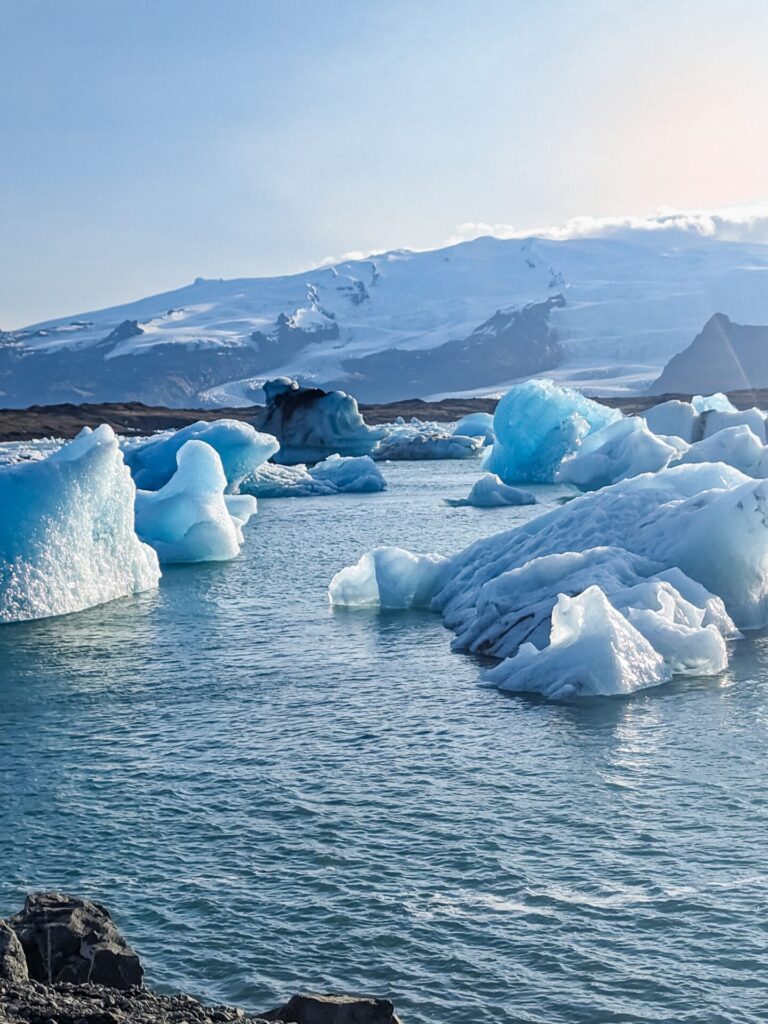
[63,961]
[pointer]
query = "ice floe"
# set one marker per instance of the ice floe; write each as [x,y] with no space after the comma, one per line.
[490,492]
[338,474]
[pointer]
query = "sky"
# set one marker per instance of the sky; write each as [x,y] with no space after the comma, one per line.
[149,142]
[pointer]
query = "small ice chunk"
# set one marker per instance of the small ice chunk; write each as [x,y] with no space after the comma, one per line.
[476,424]
[387,577]
[338,474]
[490,492]
[191,519]
[593,650]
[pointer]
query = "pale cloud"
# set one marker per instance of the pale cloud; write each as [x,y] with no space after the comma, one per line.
[734,223]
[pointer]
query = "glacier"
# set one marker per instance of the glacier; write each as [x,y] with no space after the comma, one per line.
[338,474]
[67,537]
[537,424]
[241,448]
[191,518]
[490,492]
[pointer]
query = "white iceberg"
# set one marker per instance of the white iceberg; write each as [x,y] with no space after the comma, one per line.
[737,446]
[420,440]
[674,419]
[716,420]
[191,519]
[538,424]
[619,451]
[593,650]
[338,474]
[67,537]
[241,448]
[490,492]
[387,577]
[311,424]
[476,424]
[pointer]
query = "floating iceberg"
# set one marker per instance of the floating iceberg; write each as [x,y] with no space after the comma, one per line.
[338,474]
[67,538]
[311,424]
[674,419]
[623,449]
[538,424]
[191,519]
[476,424]
[419,440]
[738,446]
[716,420]
[593,650]
[387,577]
[241,448]
[490,492]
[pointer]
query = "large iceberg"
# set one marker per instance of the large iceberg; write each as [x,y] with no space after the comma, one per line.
[537,425]
[241,448]
[737,446]
[338,474]
[387,577]
[490,492]
[593,650]
[419,440]
[67,537]
[311,424]
[191,519]
[702,417]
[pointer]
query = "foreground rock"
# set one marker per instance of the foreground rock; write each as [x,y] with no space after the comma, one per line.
[74,940]
[315,1009]
[63,961]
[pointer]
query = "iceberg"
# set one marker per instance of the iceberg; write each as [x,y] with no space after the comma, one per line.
[387,577]
[674,419]
[241,448]
[737,446]
[593,650]
[537,424]
[476,424]
[191,519]
[311,424]
[623,449]
[709,521]
[716,420]
[490,492]
[419,440]
[67,537]
[338,474]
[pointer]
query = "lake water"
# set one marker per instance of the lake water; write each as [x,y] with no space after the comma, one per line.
[271,796]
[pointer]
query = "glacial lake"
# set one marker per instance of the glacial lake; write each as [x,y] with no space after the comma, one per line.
[272,796]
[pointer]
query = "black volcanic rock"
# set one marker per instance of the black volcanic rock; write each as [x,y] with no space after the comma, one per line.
[724,356]
[69,939]
[13,963]
[307,1008]
[510,344]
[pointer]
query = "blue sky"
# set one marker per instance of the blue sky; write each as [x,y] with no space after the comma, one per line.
[148,142]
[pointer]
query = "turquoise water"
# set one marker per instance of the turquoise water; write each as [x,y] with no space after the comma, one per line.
[272,796]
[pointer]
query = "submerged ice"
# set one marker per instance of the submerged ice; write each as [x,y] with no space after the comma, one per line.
[67,538]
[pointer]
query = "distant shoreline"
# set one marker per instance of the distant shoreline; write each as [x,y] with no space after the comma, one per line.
[67,420]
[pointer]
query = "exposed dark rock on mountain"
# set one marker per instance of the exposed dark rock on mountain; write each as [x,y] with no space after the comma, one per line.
[510,344]
[69,939]
[724,356]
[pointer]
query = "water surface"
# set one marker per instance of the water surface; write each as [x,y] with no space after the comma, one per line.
[272,796]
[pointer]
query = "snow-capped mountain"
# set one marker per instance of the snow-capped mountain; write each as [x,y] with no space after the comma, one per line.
[603,313]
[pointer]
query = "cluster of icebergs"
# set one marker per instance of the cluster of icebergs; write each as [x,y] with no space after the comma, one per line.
[645,576]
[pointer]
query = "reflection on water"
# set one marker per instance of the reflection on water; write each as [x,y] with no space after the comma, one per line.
[228,756]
